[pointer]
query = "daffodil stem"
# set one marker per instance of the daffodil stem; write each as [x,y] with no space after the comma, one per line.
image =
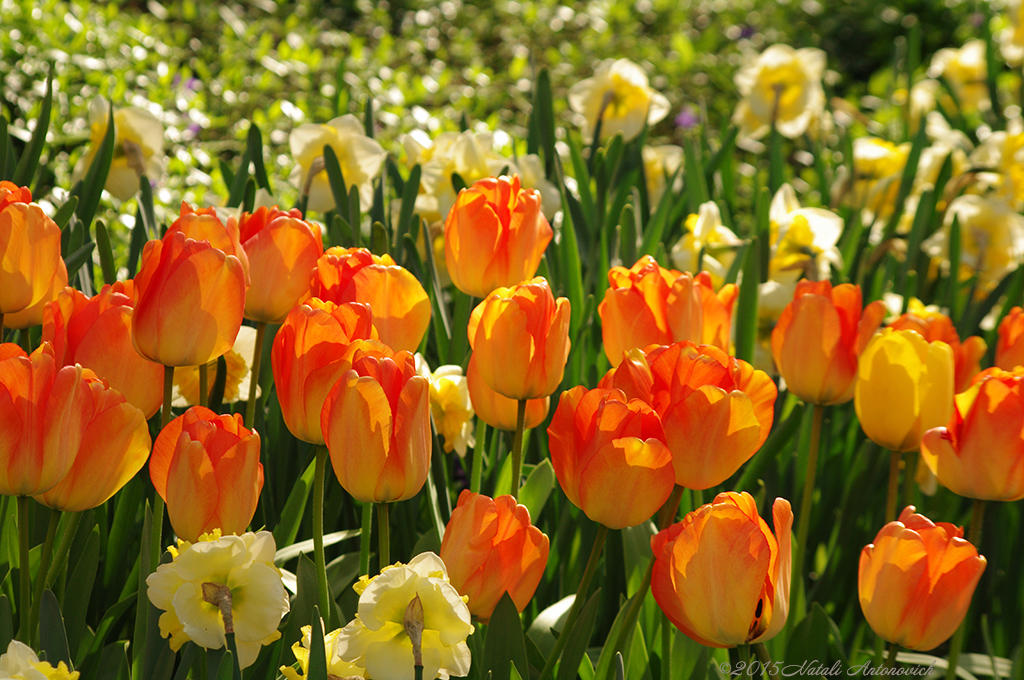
[44,564]
[894,486]
[204,385]
[890,659]
[517,449]
[766,660]
[805,505]
[383,534]
[578,602]
[254,381]
[320,471]
[974,536]
[364,540]
[25,578]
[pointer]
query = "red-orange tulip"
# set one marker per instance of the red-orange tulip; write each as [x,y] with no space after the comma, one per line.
[520,338]
[376,422]
[401,308]
[29,251]
[189,300]
[717,410]
[980,454]
[207,469]
[610,456]
[44,410]
[282,249]
[491,548]
[937,326]
[916,581]
[497,410]
[308,357]
[114,447]
[819,337]
[1010,347]
[96,332]
[721,576]
[203,224]
[494,236]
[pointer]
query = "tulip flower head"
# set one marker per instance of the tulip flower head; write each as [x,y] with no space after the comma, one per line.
[781,88]
[377,639]
[30,261]
[934,325]
[138,147]
[497,410]
[721,576]
[491,548]
[21,663]
[359,157]
[619,98]
[217,585]
[1010,348]
[916,581]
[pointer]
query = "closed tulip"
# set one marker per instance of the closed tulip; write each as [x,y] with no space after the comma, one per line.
[934,325]
[207,469]
[980,453]
[819,337]
[916,581]
[29,252]
[96,332]
[376,423]
[494,236]
[904,387]
[44,410]
[188,303]
[1010,347]
[697,313]
[520,337]
[203,224]
[401,308]
[114,447]
[283,248]
[491,548]
[498,410]
[721,576]
[308,357]
[610,456]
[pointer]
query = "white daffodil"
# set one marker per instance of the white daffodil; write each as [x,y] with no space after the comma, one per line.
[138,147]
[966,71]
[336,668]
[804,239]
[360,157]
[219,585]
[781,87]
[449,405]
[239,373]
[877,171]
[1011,39]
[705,231]
[1003,152]
[619,95]
[21,663]
[662,163]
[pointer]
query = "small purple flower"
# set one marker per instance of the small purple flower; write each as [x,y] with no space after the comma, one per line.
[747,32]
[687,118]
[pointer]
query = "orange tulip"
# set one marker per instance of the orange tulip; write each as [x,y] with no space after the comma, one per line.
[491,548]
[33,314]
[1010,348]
[308,357]
[203,224]
[207,469]
[819,337]
[96,332]
[44,410]
[721,576]
[610,456]
[520,337]
[717,410]
[401,308]
[29,251]
[937,326]
[114,447]
[494,235]
[376,422]
[282,249]
[188,302]
[697,313]
[980,454]
[500,411]
[916,581]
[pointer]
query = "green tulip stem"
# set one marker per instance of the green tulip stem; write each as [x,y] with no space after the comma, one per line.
[766,660]
[25,578]
[517,449]
[890,659]
[44,565]
[254,381]
[156,534]
[60,555]
[383,534]
[477,473]
[319,473]
[894,486]
[974,536]
[744,653]
[364,540]
[667,514]
[204,385]
[578,602]
[910,463]
[667,638]
[805,504]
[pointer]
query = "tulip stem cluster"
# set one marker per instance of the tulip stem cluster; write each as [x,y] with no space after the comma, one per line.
[44,567]
[974,537]
[517,449]
[894,485]
[323,598]
[383,534]
[805,500]
[254,381]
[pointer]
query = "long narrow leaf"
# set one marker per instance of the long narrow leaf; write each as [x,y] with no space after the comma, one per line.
[30,156]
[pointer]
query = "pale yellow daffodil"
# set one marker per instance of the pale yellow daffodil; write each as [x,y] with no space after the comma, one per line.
[620,96]
[705,231]
[450,405]
[1011,38]
[21,663]
[336,668]
[782,87]
[360,158]
[965,69]
[138,147]
[239,373]
[1003,153]
[662,163]
[803,239]
[877,171]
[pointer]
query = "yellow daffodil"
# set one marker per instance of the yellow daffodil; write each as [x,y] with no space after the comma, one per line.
[21,663]
[661,163]
[377,639]
[965,69]
[239,373]
[705,231]
[220,585]
[1011,38]
[782,87]
[804,239]
[360,157]
[618,94]
[1003,152]
[138,147]
[877,170]
[336,668]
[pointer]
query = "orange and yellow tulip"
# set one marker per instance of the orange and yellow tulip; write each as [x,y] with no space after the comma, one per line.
[376,423]
[497,410]
[494,235]
[491,548]
[1010,347]
[283,248]
[401,308]
[721,576]
[520,338]
[916,581]
[610,456]
[932,326]
[308,357]
[207,469]
[30,258]
[980,453]
[203,224]
[819,337]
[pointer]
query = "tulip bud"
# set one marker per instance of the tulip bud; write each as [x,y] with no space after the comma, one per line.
[29,252]
[498,410]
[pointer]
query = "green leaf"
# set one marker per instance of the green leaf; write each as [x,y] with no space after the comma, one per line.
[579,638]
[106,255]
[287,527]
[30,156]
[379,239]
[112,663]
[226,669]
[137,244]
[52,638]
[696,185]
[776,164]
[553,617]
[96,177]
[76,602]
[75,260]
[65,211]
[6,622]
[255,142]
[317,652]
[241,176]
[746,313]
[570,266]
[544,113]
[809,640]
[290,552]
[303,604]
[505,641]
[538,486]
[409,193]
[368,117]
[7,160]
[336,179]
